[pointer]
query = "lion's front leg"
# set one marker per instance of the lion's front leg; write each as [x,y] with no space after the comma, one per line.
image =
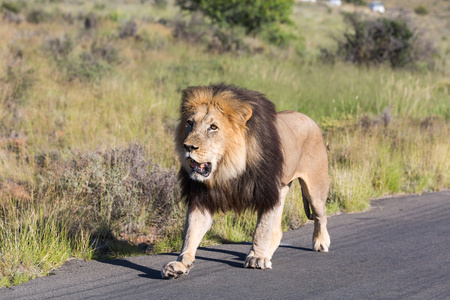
[197,224]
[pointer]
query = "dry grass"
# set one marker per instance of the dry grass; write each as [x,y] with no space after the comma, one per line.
[376,158]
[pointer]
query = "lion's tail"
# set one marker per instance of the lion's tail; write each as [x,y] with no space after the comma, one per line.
[306,206]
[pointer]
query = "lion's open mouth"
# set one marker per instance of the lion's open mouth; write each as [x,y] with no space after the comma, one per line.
[203,169]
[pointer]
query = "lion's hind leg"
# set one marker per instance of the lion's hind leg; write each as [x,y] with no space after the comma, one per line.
[277,232]
[259,255]
[316,196]
[267,237]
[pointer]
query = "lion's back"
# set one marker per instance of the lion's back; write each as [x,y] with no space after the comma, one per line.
[301,142]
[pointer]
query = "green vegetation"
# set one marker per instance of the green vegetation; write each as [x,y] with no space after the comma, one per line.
[421,10]
[253,15]
[356,2]
[34,239]
[14,7]
[383,40]
[89,101]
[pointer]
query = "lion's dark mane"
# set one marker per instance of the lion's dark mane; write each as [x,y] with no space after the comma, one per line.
[258,187]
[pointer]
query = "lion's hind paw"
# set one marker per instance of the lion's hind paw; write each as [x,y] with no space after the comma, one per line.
[322,243]
[174,270]
[254,262]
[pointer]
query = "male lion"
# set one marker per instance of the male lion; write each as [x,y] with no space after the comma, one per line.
[238,153]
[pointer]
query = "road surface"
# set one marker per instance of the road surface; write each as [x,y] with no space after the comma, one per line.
[397,250]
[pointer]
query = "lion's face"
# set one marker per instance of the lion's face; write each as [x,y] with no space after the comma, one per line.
[211,139]
[208,134]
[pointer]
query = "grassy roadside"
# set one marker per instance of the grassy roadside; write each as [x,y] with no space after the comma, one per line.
[87,167]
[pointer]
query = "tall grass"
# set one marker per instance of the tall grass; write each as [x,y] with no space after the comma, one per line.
[87,118]
[370,159]
[35,239]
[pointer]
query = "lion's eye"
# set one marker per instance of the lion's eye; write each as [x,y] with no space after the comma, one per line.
[190,123]
[213,127]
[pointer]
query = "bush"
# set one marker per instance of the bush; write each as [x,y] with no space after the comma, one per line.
[381,40]
[113,191]
[219,39]
[193,31]
[18,80]
[37,16]
[160,3]
[129,29]
[90,21]
[227,40]
[250,14]
[421,10]
[14,7]
[276,35]
[356,2]
[90,64]
[60,47]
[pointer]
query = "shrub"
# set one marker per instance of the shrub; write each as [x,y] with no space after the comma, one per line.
[94,63]
[18,80]
[14,7]
[356,2]
[116,15]
[60,47]
[117,190]
[37,16]
[276,35]
[381,40]
[225,39]
[105,50]
[12,17]
[90,21]
[250,14]
[129,29]
[219,39]
[160,3]
[193,31]
[421,10]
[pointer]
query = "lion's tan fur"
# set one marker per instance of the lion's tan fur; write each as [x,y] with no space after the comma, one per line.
[234,148]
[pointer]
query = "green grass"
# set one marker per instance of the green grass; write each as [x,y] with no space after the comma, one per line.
[86,153]
[34,241]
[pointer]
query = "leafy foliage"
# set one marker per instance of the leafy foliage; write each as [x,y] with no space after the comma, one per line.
[356,2]
[421,10]
[381,40]
[37,16]
[251,14]
[14,7]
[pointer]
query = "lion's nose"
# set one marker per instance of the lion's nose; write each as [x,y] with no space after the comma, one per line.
[189,148]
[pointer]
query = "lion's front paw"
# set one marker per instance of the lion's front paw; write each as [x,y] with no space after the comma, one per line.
[255,262]
[174,269]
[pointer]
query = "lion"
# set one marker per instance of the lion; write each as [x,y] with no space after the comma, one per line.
[237,153]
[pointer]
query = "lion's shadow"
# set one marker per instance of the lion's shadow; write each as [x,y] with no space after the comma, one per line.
[151,273]
[237,261]
[147,272]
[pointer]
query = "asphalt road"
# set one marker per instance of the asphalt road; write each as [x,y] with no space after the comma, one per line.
[397,250]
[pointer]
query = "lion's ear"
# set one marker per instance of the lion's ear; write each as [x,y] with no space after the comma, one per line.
[247,113]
